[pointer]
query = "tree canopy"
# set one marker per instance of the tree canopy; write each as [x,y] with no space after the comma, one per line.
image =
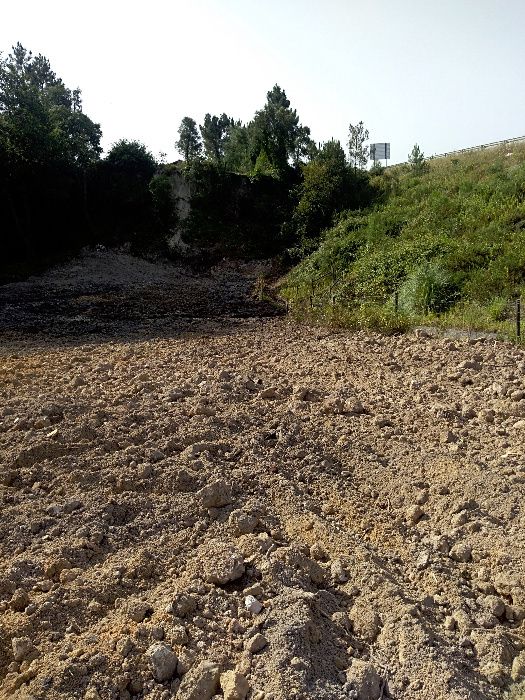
[189,143]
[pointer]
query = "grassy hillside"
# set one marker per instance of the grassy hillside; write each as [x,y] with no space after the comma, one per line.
[448,245]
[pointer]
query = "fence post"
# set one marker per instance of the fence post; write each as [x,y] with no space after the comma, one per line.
[396,302]
[518,319]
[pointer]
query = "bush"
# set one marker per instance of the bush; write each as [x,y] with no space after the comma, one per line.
[427,289]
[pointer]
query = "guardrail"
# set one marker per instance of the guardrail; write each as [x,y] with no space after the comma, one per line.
[493,144]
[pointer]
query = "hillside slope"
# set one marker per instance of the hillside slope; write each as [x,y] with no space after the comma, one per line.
[450,242]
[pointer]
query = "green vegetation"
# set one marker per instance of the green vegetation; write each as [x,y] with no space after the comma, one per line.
[429,242]
[445,244]
[254,189]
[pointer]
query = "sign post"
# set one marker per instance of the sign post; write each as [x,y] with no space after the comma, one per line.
[380,151]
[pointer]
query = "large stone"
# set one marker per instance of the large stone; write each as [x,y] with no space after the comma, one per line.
[200,683]
[162,660]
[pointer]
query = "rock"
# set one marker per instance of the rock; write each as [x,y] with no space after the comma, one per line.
[124,646]
[461,552]
[414,514]
[179,635]
[224,564]
[242,522]
[318,552]
[200,683]
[338,571]
[270,393]
[449,623]
[518,667]
[365,679]
[183,605]
[459,519]
[162,660]
[137,610]
[22,647]
[382,422]
[19,600]
[55,566]
[494,605]
[234,686]
[366,623]
[253,605]
[256,643]
[216,494]
[334,405]
[156,456]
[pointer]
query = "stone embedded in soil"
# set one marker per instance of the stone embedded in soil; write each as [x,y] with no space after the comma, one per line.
[22,647]
[518,667]
[162,660]
[255,643]
[19,600]
[216,494]
[364,678]
[200,682]
[234,685]
[366,623]
[222,564]
[137,610]
[242,522]
[252,604]
[414,514]
[461,552]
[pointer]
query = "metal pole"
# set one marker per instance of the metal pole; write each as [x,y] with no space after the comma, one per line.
[518,318]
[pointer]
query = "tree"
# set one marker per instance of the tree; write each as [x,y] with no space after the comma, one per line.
[304,146]
[417,161]
[214,132]
[237,149]
[132,158]
[47,144]
[275,130]
[189,144]
[358,152]
[326,189]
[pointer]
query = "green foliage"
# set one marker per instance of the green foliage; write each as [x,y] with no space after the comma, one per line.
[275,130]
[133,158]
[357,135]
[329,187]
[189,143]
[235,214]
[47,147]
[428,288]
[215,132]
[450,242]
[416,159]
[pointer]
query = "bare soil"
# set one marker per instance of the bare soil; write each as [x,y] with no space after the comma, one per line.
[170,446]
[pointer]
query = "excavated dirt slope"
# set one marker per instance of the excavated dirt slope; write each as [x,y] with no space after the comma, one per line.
[236,506]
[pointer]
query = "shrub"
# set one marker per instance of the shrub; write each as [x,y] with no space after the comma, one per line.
[427,289]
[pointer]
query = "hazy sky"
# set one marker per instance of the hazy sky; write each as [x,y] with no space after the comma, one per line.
[443,73]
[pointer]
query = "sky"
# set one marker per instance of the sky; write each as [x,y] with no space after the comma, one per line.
[446,74]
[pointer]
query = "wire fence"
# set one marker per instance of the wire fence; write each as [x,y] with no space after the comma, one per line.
[327,290]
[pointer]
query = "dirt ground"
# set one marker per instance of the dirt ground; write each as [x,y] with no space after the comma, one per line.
[203,499]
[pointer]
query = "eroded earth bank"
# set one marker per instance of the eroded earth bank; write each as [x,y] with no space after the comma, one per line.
[237,506]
